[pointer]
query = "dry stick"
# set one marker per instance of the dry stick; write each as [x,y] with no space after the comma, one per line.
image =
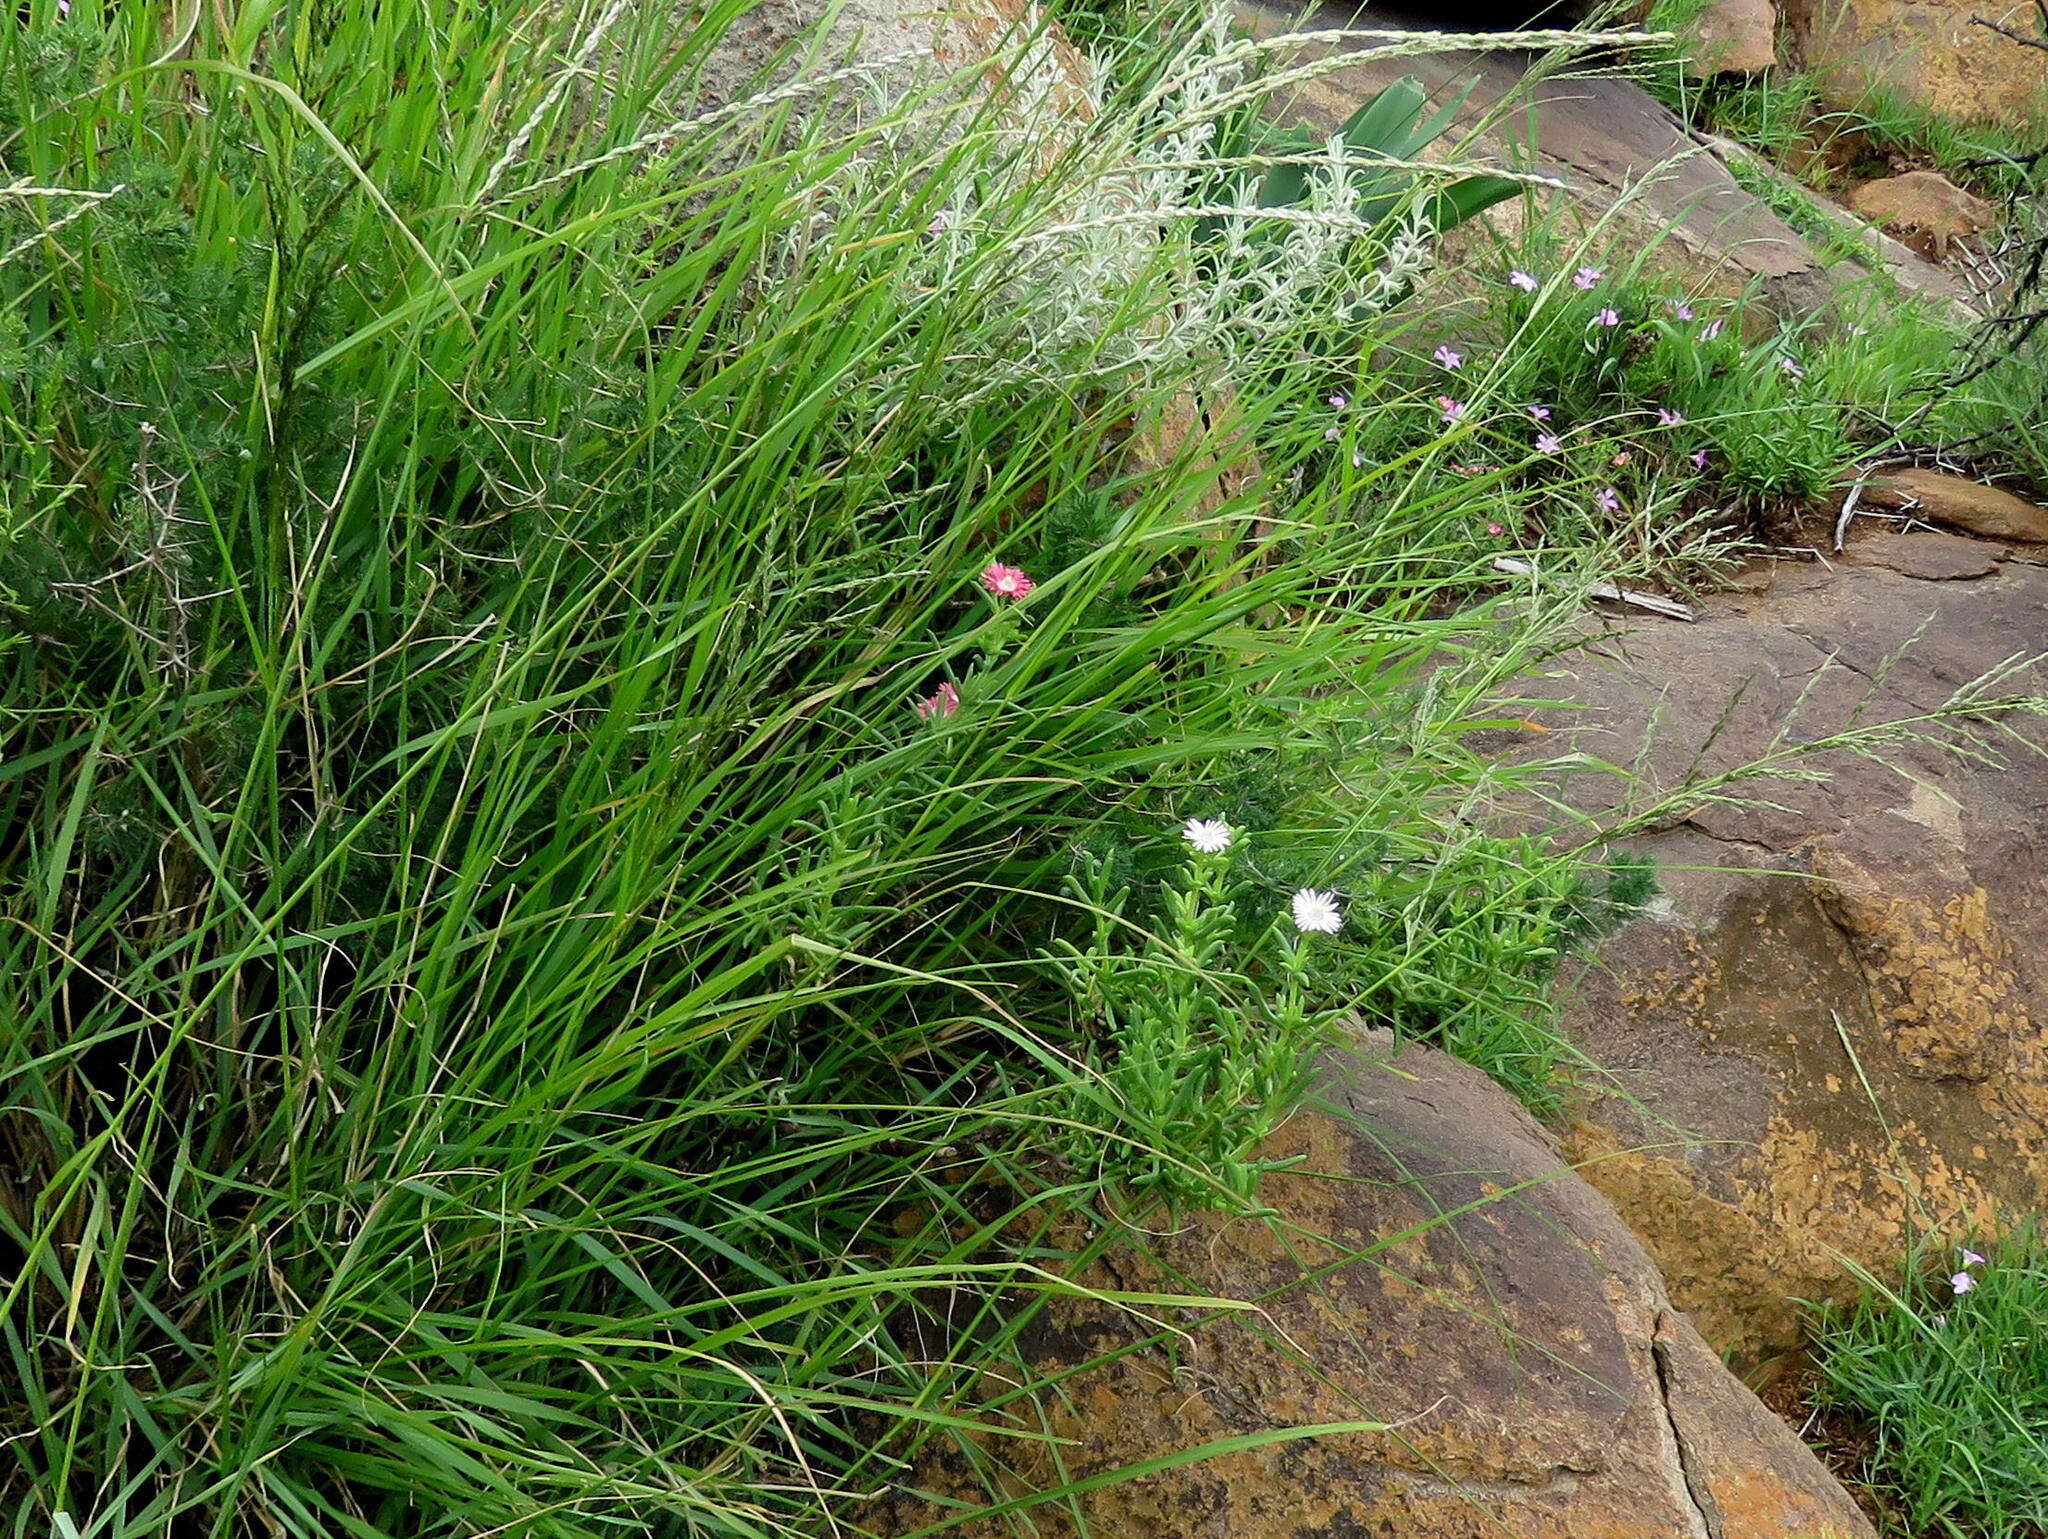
[2021,38]
[1670,608]
[1855,496]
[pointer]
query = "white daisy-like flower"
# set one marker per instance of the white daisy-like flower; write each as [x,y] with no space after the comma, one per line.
[1209,836]
[1317,912]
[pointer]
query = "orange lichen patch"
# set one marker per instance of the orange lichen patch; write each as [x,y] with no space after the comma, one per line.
[1725,1268]
[1941,982]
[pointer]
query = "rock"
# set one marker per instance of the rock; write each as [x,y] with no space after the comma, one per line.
[1964,504]
[1637,180]
[1924,209]
[1734,37]
[1929,53]
[1927,554]
[1824,1038]
[1031,67]
[1462,1284]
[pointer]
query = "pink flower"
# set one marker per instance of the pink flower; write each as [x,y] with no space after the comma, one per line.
[1339,400]
[1971,1258]
[1608,317]
[1449,357]
[1357,461]
[1699,459]
[1609,500]
[1451,409]
[1791,367]
[1962,1283]
[1622,458]
[939,705]
[1710,331]
[1333,432]
[1006,581]
[938,224]
[1540,413]
[1526,282]
[1496,530]
[1586,277]
[1666,417]
[1681,309]
[1548,443]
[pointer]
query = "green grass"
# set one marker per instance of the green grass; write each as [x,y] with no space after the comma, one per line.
[491,947]
[1952,1387]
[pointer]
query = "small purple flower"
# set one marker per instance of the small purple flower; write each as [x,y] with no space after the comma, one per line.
[1971,1258]
[1609,500]
[1452,410]
[1711,330]
[1586,277]
[1681,309]
[1666,417]
[1357,462]
[1526,282]
[1449,357]
[1791,367]
[1339,400]
[1540,413]
[1496,530]
[1699,459]
[1548,443]
[1608,317]
[1333,432]
[1962,1283]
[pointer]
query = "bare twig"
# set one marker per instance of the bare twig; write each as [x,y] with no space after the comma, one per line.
[2041,42]
[1671,609]
[1855,496]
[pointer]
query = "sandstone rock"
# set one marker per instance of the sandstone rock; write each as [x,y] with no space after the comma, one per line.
[1433,1265]
[1927,554]
[1944,499]
[1824,1039]
[1924,209]
[1636,178]
[1737,37]
[1027,64]
[1931,53]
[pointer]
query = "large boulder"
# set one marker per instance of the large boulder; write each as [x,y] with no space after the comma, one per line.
[1924,209]
[1633,179]
[1017,52]
[1429,1263]
[1934,54]
[1733,37]
[1824,1039]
